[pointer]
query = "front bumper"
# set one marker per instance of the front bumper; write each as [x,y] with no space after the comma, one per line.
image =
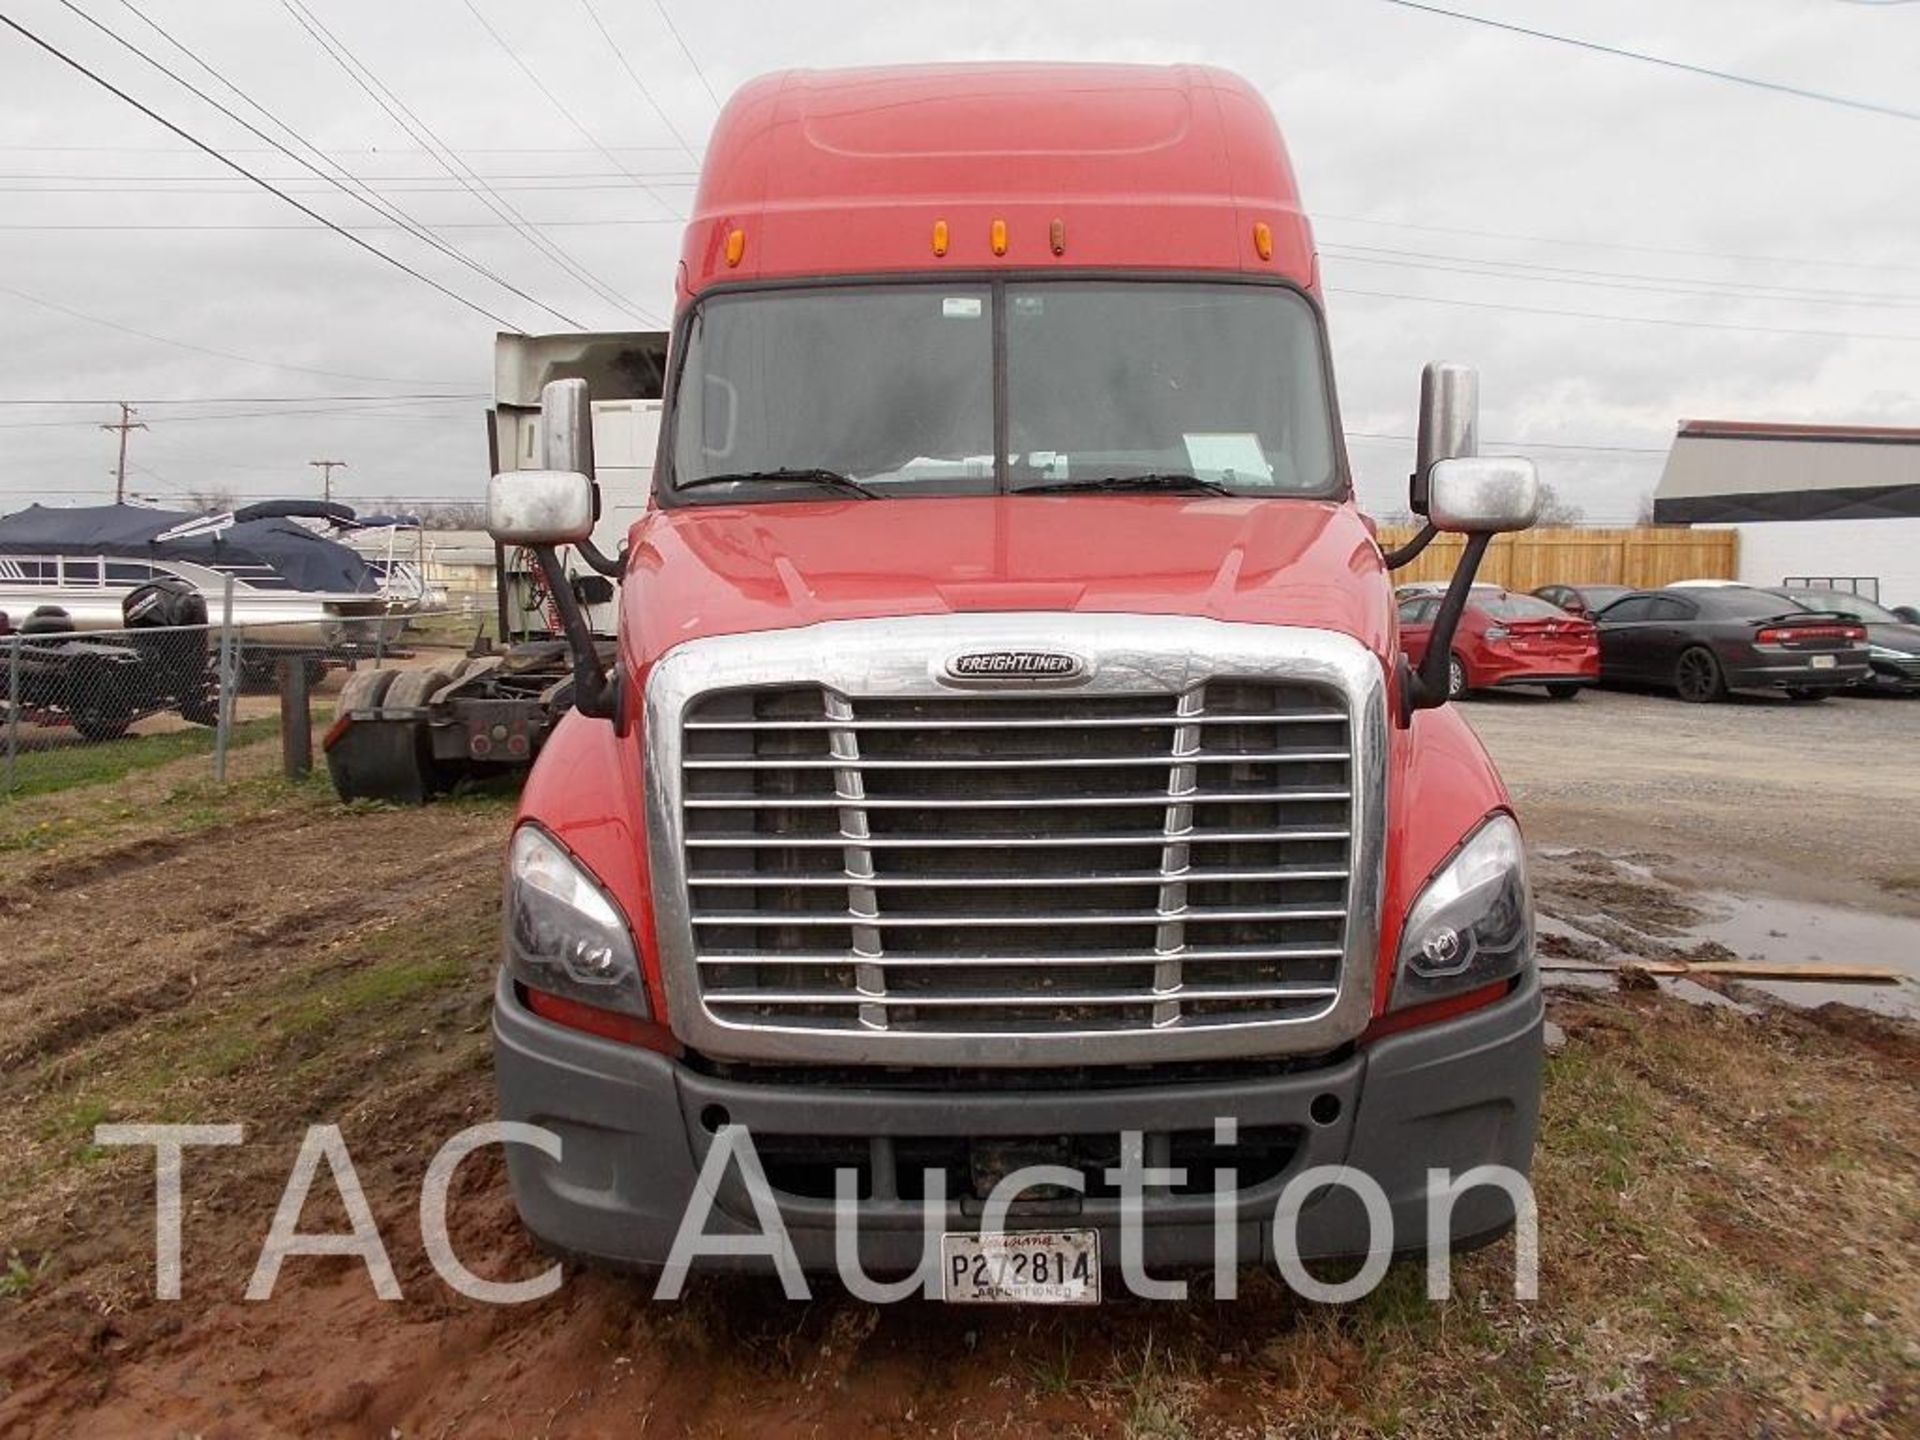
[635,1126]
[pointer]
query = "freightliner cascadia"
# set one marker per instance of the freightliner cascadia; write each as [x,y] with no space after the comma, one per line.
[1008,759]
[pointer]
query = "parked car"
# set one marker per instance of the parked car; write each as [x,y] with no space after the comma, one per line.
[1703,641]
[1506,639]
[1893,644]
[1585,601]
[1908,613]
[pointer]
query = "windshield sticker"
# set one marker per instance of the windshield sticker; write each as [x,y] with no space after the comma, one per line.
[1228,457]
[966,307]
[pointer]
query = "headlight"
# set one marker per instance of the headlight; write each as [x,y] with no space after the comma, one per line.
[1473,924]
[564,935]
[1887,652]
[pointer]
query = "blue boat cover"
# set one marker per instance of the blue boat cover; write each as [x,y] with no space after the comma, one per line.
[303,559]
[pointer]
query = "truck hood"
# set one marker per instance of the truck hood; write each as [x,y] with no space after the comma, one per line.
[714,570]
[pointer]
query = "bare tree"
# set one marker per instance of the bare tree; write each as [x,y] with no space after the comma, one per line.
[212,500]
[1556,509]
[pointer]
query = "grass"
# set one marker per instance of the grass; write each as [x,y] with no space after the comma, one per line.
[66,766]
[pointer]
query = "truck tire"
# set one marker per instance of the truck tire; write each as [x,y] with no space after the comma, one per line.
[412,689]
[1697,677]
[364,690]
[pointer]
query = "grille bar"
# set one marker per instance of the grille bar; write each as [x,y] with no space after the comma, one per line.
[938,921]
[1191,757]
[1196,953]
[1097,722]
[1282,835]
[1164,876]
[1077,802]
[987,999]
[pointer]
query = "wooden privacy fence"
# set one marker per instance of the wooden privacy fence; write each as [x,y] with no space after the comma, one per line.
[1644,557]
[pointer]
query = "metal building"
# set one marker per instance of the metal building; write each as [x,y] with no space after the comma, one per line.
[1819,503]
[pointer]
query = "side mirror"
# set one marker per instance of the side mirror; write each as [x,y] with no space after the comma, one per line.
[1449,424]
[540,507]
[1483,495]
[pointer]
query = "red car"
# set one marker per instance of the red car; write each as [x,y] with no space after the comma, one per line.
[1507,639]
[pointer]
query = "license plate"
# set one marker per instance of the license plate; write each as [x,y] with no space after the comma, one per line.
[1821,662]
[1021,1267]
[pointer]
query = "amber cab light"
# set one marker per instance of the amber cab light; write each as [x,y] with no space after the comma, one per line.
[939,237]
[736,246]
[999,235]
[1263,240]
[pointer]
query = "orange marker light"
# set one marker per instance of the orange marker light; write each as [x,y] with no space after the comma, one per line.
[939,237]
[736,246]
[999,237]
[1263,239]
[1057,237]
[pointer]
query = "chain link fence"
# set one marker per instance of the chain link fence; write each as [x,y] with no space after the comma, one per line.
[81,705]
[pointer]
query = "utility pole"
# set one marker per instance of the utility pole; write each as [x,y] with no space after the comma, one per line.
[127,422]
[326,469]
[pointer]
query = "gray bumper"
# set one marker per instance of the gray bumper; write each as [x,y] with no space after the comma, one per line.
[634,1127]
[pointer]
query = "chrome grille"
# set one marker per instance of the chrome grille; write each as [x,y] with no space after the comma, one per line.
[946,864]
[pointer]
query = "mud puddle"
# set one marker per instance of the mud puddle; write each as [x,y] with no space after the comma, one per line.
[1607,910]
[1764,927]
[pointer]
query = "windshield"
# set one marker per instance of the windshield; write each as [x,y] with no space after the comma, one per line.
[888,391]
[1841,600]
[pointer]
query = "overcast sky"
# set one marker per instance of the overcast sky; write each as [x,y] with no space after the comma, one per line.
[1776,238]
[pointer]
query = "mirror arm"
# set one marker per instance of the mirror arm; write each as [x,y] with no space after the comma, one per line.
[1427,686]
[1411,550]
[597,558]
[592,695]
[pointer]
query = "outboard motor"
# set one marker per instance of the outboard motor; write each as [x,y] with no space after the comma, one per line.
[166,620]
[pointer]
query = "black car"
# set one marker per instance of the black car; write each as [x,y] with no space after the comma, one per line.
[1704,641]
[1893,644]
[1585,601]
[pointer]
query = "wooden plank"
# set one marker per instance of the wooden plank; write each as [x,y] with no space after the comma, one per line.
[1812,973]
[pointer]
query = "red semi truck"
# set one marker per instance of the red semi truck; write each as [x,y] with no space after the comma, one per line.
[1008,754]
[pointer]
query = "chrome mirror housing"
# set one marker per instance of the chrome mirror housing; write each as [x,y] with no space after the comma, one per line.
[540,507]
[1483,494]
[566,427]
[1449,423]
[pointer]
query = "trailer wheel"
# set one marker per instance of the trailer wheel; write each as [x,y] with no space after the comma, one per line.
[106,718]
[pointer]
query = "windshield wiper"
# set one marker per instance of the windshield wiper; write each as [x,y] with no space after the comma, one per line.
[824,479]
[1150,480]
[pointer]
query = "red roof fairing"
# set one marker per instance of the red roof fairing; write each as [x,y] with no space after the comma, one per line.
[1143,167]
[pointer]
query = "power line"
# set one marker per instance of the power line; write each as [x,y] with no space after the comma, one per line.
[1777,87]
[680,40]
[267,185]
[1522,444]
[309,230]
[364,195]
[1626,319]
[558,104]
[1797,260]
[423,134]
[254,399]
[1558,275]
[638,84]
[72,313]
